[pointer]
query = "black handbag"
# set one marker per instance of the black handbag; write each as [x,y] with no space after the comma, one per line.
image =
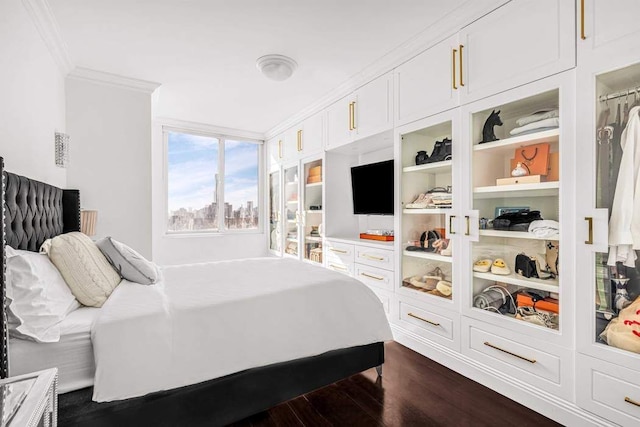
[529,267]
[516,221]
[427,239]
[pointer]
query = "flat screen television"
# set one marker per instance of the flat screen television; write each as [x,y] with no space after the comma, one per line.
[372,188]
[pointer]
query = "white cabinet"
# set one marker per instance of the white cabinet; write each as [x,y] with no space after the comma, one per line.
[274,150]
[310,138]
[517,43]
[608,29]
[365,112]
[428,83]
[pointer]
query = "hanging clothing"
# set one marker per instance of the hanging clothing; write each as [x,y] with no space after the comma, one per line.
[624,224]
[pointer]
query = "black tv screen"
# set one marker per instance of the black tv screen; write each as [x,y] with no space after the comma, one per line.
[372,188]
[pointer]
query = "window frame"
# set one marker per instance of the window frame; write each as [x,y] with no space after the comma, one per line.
[221,137]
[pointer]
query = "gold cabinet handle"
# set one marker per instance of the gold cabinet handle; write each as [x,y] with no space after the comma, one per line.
[340,251]
[279,148]
[582,34]
[424,320]
[338,267]
[460,65]
[453,69]
[589,240]
[353,115]
[488,344]
[300,140]
[630,400]
[371,276]
[466,233]
[371,257]
[451,224]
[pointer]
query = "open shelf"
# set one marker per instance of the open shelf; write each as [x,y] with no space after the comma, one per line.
[434,211]
[427,255]
[508,144]
[516,235]
[316,211]
[513,279]
[538,189]
[314,184]
[435,168]
[292,202]
[313,239]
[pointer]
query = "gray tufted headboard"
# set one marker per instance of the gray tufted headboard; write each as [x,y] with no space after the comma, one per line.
[33,212]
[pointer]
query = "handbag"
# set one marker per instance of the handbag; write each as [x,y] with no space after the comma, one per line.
[529,267]
[552,250]
[535,157]
[427,239]
[516,221]
[495,298]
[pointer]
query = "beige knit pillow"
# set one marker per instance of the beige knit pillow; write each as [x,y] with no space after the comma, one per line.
[87,272]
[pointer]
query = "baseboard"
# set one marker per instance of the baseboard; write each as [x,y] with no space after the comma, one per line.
[560,410]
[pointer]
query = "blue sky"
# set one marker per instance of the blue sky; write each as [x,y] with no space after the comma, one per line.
[193,163]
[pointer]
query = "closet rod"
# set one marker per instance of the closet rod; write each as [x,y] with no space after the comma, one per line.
[628,92]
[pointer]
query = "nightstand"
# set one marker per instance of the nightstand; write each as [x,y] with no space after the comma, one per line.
[30,400]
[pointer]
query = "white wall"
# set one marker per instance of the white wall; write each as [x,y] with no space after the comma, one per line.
[110,159]
[32,98]
[171,250]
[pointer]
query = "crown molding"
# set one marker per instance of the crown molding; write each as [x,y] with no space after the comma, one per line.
[207,129]
[101,77]
[40,13]
[448,25]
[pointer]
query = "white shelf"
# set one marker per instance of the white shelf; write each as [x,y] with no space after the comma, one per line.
[434,168]
[292,239]
[513,279]
[427,255]
[313,239]
[539,189]
[292,183]
[507,145]
[434,211]
[292,202]
[516,235]
[314,184]
[291,221]
[317,211]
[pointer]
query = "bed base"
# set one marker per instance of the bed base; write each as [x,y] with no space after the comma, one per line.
[224,400]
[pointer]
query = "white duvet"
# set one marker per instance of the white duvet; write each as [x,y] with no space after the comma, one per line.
[204,321]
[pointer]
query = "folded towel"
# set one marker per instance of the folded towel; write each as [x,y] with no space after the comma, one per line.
[544,228]
[546,123]
[537,116]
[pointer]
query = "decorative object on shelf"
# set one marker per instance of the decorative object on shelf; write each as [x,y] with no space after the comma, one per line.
[484,223]
[500,267]
[379,237]
[314,231]
[421,158]
[316,255]
[276,67]
[520,170]
[552,250]
[540,318]
[88,222]
[315,207]
[488,134]
[537,302]
[428,238]
[315,175]
[499,210]
[496,298]
[621,300]
[441,151]
[527,179]
[482,265]
[61,149]
[516,221]
[529,267]
[624,331]
[534,157]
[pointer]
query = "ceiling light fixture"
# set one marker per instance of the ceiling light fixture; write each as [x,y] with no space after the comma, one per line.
[276,67]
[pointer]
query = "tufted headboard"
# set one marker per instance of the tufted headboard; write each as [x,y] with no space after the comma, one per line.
[33,212]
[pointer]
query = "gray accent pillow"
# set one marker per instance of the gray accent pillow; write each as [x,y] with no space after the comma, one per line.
[129,263]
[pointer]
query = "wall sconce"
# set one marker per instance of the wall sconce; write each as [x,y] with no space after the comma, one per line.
[88,221]
[62,150]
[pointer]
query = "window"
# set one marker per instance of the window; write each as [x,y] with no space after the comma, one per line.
[212,183]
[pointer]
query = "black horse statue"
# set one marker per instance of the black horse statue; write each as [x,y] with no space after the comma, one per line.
[488,135]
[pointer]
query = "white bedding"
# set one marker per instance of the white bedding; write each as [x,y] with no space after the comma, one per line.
[72,355]
[204,321]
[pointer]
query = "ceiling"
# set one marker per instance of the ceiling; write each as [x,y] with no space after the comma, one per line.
[203,52]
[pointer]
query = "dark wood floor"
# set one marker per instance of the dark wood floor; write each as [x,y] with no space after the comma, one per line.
[414,391]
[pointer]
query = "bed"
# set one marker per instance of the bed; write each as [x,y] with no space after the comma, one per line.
[35,211]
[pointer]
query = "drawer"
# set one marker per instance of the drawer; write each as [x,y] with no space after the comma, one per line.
[536,362]
[376,278]
[374,257]
[339,251]
[432,323]
[340,267]
[609,390]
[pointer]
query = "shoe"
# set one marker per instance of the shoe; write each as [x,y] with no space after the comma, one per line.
[448,250]
[444,288]
[482,266]
[421,202]
[440,245]
[500,267]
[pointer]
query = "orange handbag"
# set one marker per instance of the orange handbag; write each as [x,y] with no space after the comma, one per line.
[535,158]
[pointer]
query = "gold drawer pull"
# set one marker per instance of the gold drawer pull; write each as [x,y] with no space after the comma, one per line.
[340,251]
[589,240]
[453,69]
[488,344]
[466,217]
[461,82]
[629,400]
[338,267]
[372,276]
[582,34]
[374,258]
[299,140]
[451,224]
[424,320]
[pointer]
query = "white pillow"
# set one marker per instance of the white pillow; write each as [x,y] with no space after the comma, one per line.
[87,272]
[38,297]
[127,262]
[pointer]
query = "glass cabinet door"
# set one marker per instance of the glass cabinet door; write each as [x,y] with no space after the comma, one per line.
[312,211]
[291,209]
[515,184]
[275,229]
